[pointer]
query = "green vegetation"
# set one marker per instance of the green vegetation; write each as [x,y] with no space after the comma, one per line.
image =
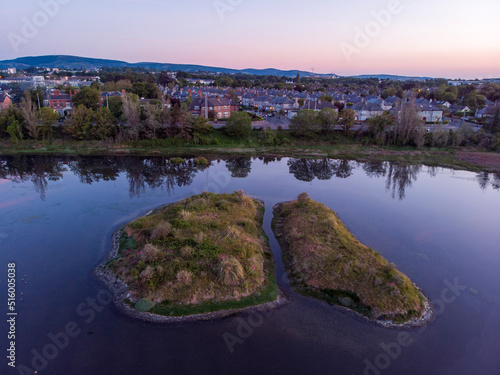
[177,160]
[202,254]
[326,261]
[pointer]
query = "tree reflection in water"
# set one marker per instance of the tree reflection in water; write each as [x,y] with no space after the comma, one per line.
[40,170]
[324,169]
[240,167]
[400,177]
[140,172]
[157,172]
[486,179]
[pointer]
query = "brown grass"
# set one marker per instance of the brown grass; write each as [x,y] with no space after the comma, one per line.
[323,255]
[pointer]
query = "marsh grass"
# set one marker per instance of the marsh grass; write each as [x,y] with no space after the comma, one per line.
[208,250]
[326,261]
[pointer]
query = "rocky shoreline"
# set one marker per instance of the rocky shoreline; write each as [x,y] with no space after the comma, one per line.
[120,293]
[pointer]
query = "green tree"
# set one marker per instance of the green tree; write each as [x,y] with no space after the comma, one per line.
[79,125]
[200,125]
[115,104]
[378,127]
[103,124]
[347,119]
[15,129]
[47,117]
[239,125]
[475,100]
[37,97]
[305,124]
[87,97]
[327,118]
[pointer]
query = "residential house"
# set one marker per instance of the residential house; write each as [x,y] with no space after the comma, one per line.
[488,111]
[318,106]
[264,102]
[282,103]
[61,103]
[429,112]
[215,107]
[459,108]
[364,110]
[248,100]
[5,101]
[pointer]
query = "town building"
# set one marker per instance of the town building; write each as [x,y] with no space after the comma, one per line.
[215,108]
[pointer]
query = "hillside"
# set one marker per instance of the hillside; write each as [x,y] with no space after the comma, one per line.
[75,62]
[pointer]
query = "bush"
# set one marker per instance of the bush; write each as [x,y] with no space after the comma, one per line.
[231,271]
[177,161]
[200,161]
[303,198]
[162,230]
[239,125]
[144,305]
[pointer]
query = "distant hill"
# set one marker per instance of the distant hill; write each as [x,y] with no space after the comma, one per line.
[391,77]
[75,62]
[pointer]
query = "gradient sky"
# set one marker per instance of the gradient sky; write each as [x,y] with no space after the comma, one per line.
[444,38]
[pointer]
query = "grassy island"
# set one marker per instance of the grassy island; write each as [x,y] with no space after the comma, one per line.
[326,261]
[202,254]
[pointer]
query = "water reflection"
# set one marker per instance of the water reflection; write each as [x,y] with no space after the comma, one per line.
[240,167]
[40,170]
[486,179]
[325,169]
[154,173]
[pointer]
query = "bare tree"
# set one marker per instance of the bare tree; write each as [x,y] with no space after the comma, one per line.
[28,111]
[409,127]
[153,120]
[131,112]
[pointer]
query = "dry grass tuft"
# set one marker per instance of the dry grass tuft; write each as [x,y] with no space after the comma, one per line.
[184,277]
[162,230]
[231,271]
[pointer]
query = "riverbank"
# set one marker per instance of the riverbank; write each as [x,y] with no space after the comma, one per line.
[459,158]
[127,290]
[325,261]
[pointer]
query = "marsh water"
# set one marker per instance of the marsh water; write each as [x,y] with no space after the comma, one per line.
[440,227]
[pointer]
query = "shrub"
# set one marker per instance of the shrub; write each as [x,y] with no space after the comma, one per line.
[303,198]
[177,161]
[187,251]
[150,253]
[200,161]
[147,274]
[231,271]
[144,305]
[184,277]
[162,230]
[239,125]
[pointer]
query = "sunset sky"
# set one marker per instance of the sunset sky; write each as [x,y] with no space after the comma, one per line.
[445,38]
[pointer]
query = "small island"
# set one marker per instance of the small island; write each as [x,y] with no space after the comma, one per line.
[324,260]
[201,257]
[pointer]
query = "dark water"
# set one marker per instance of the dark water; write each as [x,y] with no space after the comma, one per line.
[440,227]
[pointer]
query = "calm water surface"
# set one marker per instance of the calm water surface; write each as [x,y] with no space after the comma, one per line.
[440,227]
